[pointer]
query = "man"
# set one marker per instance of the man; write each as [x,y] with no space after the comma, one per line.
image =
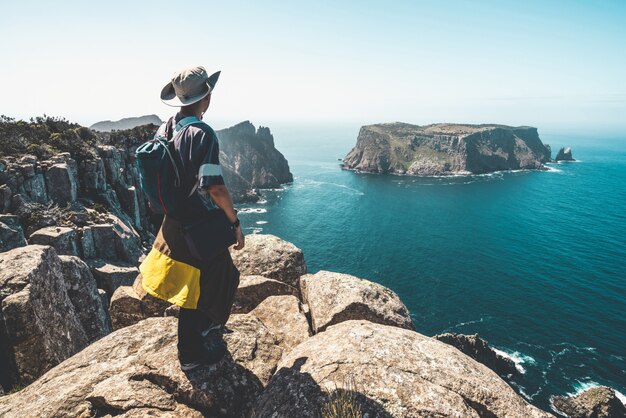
[204,289]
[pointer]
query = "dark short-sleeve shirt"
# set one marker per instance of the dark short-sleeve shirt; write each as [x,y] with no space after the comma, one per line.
[199,152]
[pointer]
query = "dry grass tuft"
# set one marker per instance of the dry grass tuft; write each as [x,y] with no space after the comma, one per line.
[343,401]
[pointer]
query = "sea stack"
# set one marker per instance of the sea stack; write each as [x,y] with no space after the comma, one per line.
[564,154]
[446,149]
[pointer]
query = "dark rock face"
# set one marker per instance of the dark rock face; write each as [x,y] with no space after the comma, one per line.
[564,154]
[249,158]
[479,350]
[446,149]
[82,290]
[11,233]
[597,402]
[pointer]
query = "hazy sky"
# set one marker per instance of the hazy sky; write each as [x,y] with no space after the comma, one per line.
[541,63]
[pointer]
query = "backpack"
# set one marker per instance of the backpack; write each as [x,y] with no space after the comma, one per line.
[159,168]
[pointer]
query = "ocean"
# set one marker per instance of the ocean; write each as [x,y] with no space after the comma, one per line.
[532,261]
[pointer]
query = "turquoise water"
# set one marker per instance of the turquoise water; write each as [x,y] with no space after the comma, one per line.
[534,262]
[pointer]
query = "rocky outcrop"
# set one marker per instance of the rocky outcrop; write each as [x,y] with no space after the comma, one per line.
[111,276]
[135,372]
[131,304]
[479,350]
[269,256]
[253,290]
[11,233]
[42,325]
[126,123]
[596,402]
[446,149]
[83,293]
[251,159]
[394,372]
[284,317]
[335,297]
[63,239]
[564,154]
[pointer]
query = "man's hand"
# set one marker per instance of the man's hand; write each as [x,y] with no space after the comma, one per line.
[241,240]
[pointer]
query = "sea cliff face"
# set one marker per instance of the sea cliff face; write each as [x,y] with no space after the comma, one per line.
[446,149]
[251,161]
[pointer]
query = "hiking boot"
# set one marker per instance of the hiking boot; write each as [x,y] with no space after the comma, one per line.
[210,352]
[215,348]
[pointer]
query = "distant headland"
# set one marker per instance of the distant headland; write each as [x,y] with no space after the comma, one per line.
[446,149]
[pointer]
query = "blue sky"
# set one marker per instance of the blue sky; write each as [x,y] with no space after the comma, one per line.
[543,63]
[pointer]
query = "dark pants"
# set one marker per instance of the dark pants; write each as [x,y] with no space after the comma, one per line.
[191,323]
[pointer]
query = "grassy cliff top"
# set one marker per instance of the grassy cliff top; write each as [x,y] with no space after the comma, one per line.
[456,129]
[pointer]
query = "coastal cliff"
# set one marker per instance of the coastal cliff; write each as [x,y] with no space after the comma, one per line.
[446,149]
[251,160]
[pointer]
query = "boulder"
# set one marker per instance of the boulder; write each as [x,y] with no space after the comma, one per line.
[42,325]
[253,290]
[150,305]
[479,350]
[116,241]
[125,308]
[109,276]
[131,304]
[271,257]
[62,183]
[63,239]
[596,402]
[11,233]
[335,297]
[386,371]
[135,372]
[284,317]
[83,293]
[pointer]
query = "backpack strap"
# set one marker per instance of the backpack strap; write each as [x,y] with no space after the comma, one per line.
[183,123]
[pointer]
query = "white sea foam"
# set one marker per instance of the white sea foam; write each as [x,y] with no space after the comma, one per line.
[261,222]
[262,202]
[553,170]
[517,358]
[581,386]
[253,210]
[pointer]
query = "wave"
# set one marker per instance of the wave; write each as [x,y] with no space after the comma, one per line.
[580,387]
[261,222]
[517,358]
[553,170]
[254,230]
[462,324]
[318,183]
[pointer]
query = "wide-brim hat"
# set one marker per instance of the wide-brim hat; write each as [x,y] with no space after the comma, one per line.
[188,86]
